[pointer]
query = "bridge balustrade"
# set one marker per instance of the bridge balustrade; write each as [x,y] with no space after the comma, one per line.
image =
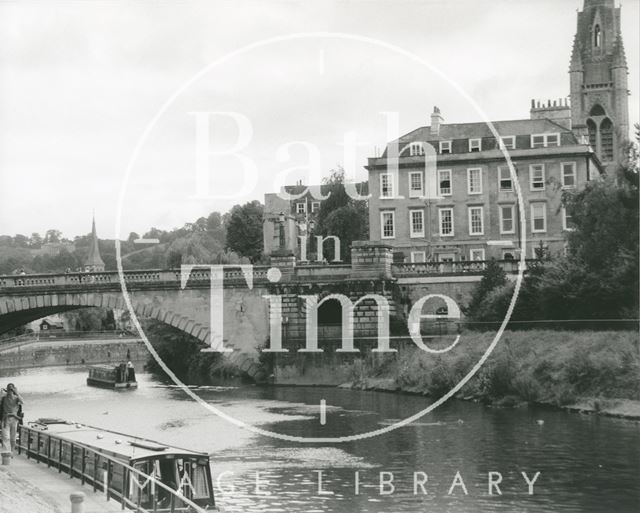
[113,277]
[202,275]
[471,267]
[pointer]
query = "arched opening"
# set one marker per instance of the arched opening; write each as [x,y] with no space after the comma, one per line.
[330,320]
[606,140]
[597,110]
[597,36]
[592,130]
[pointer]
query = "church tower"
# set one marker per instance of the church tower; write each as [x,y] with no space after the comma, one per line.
[94,262]
[598,75]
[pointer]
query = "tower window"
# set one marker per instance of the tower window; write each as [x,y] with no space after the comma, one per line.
[592,128]
[606,140]
[597,36]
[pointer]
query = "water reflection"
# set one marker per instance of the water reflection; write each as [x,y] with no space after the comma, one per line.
[587,464]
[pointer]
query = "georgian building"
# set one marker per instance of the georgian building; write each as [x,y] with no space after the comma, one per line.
[474,212]
[471,211]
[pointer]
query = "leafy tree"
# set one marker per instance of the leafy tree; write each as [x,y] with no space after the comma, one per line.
[341,216]
[36,240]
[214,221]
[88,319]
[244,230]
[493,277]
[21,240]
[52,235]
[14,258]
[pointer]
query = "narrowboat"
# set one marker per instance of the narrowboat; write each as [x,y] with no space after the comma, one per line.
[112,376]
[125,468]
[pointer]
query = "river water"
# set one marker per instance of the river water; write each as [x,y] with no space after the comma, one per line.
[586,463]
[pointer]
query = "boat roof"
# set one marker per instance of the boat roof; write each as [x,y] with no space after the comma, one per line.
[105,366]
[120,445]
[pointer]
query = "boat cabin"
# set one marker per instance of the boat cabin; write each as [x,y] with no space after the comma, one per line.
[112,376]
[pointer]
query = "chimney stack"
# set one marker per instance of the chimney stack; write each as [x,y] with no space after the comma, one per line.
[436,120]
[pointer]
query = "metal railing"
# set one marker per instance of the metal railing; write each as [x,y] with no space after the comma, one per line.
[106,474]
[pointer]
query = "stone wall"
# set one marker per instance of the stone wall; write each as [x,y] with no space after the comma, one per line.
[62,354]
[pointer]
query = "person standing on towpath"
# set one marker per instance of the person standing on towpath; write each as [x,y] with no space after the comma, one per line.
[10,406]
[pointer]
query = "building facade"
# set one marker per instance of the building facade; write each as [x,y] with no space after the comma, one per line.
[285,221]
[447,192]
[465,206]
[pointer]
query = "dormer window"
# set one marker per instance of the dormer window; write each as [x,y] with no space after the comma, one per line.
[544,140]
[416,149]
[475,145]
[597,36]
[445,147]
[508,142]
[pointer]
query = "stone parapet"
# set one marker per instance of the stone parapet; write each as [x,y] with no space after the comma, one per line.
[371,259]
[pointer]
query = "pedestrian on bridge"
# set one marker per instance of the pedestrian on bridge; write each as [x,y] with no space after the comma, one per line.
[10,415]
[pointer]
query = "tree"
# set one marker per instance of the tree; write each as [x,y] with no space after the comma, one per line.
[36,240]
[132,237]
[52,236]
[604,245]
[21,240]
[493,277]
[214,221]
[341,216]
[348,223]
[244,230]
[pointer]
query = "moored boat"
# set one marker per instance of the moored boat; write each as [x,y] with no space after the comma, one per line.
[112,376]
[137,472]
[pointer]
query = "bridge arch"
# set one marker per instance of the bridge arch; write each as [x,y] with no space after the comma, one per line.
[18,310]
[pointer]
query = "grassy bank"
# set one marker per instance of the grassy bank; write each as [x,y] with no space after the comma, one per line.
[592,371]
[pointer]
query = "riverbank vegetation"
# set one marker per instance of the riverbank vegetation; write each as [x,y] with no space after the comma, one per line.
[550,367]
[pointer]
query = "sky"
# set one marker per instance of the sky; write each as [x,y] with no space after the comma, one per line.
[81,81]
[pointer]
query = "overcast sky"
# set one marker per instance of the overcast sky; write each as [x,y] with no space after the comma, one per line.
[80,81]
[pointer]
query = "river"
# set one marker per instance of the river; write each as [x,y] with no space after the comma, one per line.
[586,463]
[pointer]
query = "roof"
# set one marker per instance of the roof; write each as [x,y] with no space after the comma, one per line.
[94,258]
[361,187]
[111,442]
[482,129]
[52,323]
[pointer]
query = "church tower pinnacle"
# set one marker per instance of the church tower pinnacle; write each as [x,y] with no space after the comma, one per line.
[598,77]
[94,262]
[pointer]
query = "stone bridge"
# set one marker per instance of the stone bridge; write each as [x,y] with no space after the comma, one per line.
[162,295]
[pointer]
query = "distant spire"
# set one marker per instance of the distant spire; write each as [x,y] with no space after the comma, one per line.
[94,261]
